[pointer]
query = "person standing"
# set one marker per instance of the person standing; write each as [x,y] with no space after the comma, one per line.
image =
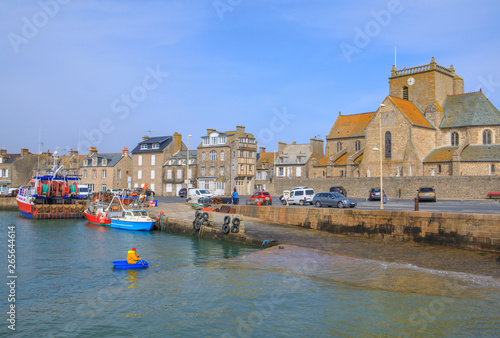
[235,197]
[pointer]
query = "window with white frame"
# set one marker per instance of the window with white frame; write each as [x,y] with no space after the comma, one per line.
[298,171]
[281,171]
[153,159]
[139,174]
[169,173]
[203,156]
[212,170]
[213,155]
[168,187]
[179,173]
[156,146]
[222,170]
[104,173]
[203,171]
[87,162]
[190,173]
[222,155]
[119,174]
[242,168]
[104,162]
[153,174]
[144,146]
[103,187]
[205,140]
[139,159]
[94,161]
[219,185]
[214,140]
[222,139]
[94,174]
[84,173]
[250,168]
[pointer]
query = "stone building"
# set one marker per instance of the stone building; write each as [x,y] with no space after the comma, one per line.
[148,158]
[106,171]
[226,160]
[174,172]
[16,169]
[426,126]
[296,160]
[265,169]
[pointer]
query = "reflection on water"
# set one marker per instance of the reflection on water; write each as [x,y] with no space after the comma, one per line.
[68,287]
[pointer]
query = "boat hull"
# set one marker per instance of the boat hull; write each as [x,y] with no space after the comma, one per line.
[131,225]
[96,219]
[29,210]
[124,265]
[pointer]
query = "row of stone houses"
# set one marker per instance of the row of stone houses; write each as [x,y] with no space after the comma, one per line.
[426,126]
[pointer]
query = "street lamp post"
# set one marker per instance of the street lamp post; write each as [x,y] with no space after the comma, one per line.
[187,166]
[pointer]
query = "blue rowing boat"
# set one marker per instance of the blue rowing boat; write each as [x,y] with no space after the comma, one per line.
[124,265]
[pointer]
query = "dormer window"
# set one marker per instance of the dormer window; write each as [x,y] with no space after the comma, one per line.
[94,161]
[156,146]
[87,163]
[299,160]
[263,166]
[104,162]
[144,146]
[205,141]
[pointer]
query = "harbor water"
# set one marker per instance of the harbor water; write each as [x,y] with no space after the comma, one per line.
[66,286]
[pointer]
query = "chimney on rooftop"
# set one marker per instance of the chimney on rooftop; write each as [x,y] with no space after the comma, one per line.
[262,150]
[210,130]
[281,147]
[24,152]
[92,151]
[240,129]
[144,138]
[125,152]
[73,153]
[3,151]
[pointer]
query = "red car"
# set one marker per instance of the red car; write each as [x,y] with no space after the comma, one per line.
[264,196]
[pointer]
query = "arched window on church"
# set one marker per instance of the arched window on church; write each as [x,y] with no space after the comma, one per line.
[405,93]
[357,146]
[487,136]
[339,146]
[454,139]
[388,146]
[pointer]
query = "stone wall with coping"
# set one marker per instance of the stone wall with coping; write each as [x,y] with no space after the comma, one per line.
[447,187]
[470,231]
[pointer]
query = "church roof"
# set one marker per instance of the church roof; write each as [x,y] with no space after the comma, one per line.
[350,125]
[323,161]
[443,154]
[481,152]
[412,112]
[471,109]
[342,160]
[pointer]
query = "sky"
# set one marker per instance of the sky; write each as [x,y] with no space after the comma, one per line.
[105,73]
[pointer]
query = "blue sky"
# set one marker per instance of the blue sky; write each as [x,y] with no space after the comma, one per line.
[108,72]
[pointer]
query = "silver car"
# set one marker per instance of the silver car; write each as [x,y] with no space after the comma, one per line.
[329,199]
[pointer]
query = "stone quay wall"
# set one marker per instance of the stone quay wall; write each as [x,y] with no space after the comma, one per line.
[447,187]
[470,231]
[8,203]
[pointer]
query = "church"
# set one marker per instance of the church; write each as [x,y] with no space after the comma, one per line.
[426,126]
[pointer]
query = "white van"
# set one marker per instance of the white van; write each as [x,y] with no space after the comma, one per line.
[301,195]
[194,193]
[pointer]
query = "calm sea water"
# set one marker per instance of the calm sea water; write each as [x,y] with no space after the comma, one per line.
[67,287]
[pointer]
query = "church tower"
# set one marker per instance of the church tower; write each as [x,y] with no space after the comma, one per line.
[427,86]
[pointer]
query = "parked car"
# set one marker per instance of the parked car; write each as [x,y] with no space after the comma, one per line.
[374,194]
[426,194]
[333,199]
[340,190]
[264,196]
[182,193]
[301,195]
[197,193]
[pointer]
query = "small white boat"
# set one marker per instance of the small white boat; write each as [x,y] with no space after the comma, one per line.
[138,220]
